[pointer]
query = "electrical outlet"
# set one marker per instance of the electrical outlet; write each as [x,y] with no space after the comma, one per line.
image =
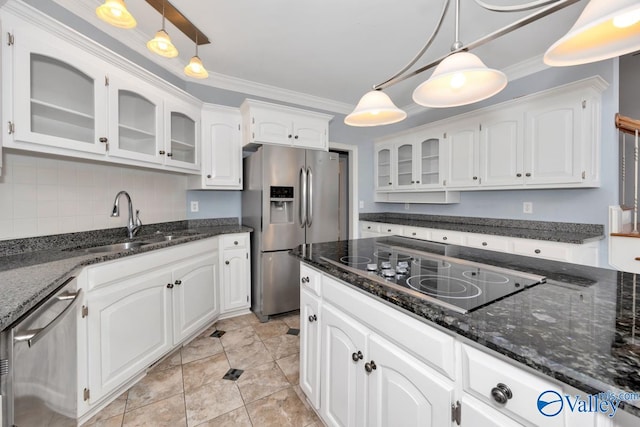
[527,207]
[361,204]
[194,206]
[406,206]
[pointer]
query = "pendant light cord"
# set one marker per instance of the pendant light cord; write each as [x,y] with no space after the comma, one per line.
[415,59]
[162,15]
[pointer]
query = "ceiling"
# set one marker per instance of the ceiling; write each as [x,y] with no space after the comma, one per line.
[332,51]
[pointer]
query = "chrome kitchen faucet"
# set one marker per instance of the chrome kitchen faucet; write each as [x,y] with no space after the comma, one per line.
[133,226]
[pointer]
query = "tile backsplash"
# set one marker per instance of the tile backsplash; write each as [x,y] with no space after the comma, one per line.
[42,195]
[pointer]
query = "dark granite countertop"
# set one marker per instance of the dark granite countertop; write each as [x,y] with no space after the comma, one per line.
[33,268]
[538,230]
[582,327]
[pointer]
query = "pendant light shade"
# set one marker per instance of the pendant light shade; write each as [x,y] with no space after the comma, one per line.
[195,68]
[605,29]
[375,109]
[161,44]
[460,79]
[114,12]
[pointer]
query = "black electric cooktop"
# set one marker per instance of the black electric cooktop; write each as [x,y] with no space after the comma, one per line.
[459,285]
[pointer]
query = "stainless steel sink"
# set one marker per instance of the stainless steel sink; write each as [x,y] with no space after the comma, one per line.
[116,247]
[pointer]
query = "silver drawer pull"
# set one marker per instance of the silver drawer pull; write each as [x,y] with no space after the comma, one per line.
[501,393]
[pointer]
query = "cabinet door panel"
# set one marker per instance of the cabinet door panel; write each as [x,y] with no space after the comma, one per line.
[310,133]
[222,152]
[195,295]
[343,380]
[404,392]
[235,280]
[384,167]
[310,321]
[135,127]
[59,98]
[463,157]
[429,161]
[553,145]
[182,134]
[404,178]
[129,328]
[501,151]
[271,127]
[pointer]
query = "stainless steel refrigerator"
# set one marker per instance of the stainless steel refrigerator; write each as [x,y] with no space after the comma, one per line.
[291,197]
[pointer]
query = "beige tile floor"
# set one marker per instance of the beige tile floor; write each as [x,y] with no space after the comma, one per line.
[187,388]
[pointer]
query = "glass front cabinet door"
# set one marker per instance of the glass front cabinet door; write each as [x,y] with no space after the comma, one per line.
[58,94]
[182,127]
[383,163]
[135,113]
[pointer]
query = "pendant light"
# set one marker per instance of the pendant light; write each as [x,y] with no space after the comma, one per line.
[161,43]
[605,29]
[115,12]
[195,68]
[375,109]
[460,79]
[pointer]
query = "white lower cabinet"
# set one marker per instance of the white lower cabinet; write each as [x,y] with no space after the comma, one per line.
[195,295]
[585,253]
[310,340]
[404,392]
[366,379]
[140,308]
[129,327]
[380,367]
[343,341]
[236,274]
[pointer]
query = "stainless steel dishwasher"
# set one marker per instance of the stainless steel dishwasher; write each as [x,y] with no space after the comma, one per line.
[38,368]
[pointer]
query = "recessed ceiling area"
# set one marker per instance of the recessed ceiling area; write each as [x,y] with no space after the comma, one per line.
[333,49]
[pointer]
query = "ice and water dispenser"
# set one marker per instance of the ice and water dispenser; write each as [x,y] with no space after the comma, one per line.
[281,205]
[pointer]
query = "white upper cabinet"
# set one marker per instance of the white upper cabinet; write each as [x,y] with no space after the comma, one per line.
[221,150]
[182,130]
[58,96]
[463,154]
[135,129]
[501,148]
[266,123]
[385,166]
[550,139]
[64,94]
[554,141]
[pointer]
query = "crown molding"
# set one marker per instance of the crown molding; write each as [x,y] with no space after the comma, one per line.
[136,40]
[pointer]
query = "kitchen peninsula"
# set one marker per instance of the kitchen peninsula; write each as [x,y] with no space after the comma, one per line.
[574,335]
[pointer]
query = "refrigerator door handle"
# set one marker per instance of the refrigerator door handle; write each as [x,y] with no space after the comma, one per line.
[303,198]
[310,200]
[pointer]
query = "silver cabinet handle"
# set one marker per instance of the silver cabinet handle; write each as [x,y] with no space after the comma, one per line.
[32,336]
[370,366]
[303,198]
[310,201]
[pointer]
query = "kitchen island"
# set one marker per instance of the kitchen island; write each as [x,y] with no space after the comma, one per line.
[577,331]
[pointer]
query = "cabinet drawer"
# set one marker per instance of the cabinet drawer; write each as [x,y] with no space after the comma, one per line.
[373,227]
[417,233]
[482,373]
[542,250]
[444,236]
[426,343]
[310,279]
[232,241]
[493,243]
[391,229]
